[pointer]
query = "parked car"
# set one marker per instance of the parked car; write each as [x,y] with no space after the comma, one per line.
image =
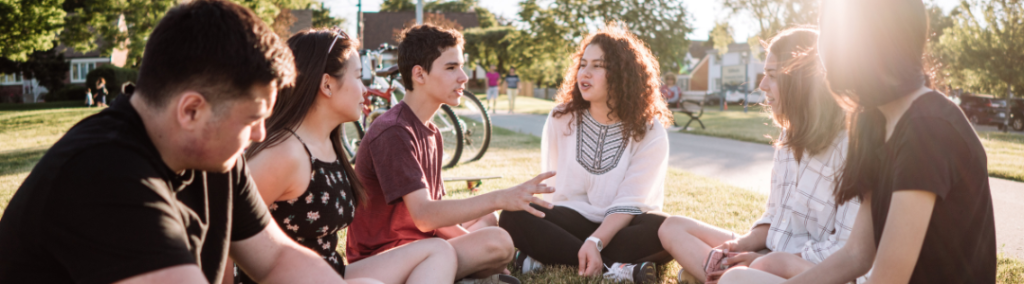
[1017,114]
[736,97]
[984,109]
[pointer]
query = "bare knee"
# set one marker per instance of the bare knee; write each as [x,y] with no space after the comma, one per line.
[773,263]
[673,226]
[498,242]
[440,248]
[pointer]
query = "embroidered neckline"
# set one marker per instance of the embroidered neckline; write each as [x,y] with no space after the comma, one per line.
[599,147]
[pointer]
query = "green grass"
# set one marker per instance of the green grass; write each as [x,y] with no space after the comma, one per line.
[753,126]
[1005,154]
[27,134]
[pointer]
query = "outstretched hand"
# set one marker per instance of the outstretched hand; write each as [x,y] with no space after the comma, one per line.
[518,198]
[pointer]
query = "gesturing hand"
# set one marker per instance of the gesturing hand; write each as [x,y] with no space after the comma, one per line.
[590,260]
[518,198]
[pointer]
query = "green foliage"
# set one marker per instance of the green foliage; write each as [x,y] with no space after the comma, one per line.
[981,51]
[773,16]
[721,35]
[397,6]
[28,26]
[492,46]
[483,15]
[68,93]
[557,28]
[322,17]
[48,67]
[110,24]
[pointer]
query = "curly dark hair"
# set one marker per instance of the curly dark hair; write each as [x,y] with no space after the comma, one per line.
[634,94]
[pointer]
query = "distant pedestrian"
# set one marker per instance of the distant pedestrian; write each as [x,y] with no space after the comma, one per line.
[88,97]
[492,88]
[100,97]
[513,88]
[669,90]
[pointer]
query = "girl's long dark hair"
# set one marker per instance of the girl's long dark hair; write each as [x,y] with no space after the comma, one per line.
[312,60]
[872,52]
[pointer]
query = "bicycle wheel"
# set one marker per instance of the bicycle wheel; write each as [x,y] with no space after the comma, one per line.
[351,134]
[476,127]
[451,134]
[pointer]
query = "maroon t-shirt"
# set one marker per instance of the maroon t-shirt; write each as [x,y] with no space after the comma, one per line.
[398,155]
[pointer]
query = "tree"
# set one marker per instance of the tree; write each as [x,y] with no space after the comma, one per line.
[322,17]
[773,16]
[981,51]
[661,24]
[492,46]
[484,16]
[721,35]
[28,26]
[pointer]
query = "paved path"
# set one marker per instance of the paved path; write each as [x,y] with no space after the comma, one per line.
[749,165]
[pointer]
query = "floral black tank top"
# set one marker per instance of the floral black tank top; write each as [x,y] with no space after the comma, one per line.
[314,218]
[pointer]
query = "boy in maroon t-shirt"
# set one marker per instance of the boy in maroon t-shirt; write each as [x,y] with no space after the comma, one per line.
[399,163]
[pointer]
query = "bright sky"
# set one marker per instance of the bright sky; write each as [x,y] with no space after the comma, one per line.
[703,14]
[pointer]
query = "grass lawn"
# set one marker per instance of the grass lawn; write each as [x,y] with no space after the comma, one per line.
[25,136]
[1005,150]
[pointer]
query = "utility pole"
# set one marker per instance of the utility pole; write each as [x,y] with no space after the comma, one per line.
[419,12]
[359,20]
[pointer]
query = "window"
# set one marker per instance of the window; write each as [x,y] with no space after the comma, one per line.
[10,79]
[80,69]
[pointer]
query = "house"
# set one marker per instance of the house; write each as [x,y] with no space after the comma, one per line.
[737,72]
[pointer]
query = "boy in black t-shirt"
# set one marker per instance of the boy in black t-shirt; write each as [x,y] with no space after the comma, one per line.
[152,190]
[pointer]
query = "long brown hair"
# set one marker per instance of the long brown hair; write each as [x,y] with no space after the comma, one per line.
[809,114]
[634,94]
[312,60]
[872,53]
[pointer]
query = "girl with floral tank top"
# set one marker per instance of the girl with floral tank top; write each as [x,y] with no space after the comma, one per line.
[307,181]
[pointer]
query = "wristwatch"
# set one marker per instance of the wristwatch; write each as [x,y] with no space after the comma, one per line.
[597,241]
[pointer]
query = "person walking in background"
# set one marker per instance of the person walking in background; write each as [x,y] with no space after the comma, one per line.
[607,140]
[100,97]
[915,162]
[512,81]
[801,224]
[493,78]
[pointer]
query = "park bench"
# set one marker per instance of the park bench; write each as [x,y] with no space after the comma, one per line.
[690,103]
[471,182]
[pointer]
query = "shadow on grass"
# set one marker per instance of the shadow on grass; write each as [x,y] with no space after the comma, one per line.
[20,160]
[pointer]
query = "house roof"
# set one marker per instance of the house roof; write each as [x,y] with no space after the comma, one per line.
[697,49]
[379,27]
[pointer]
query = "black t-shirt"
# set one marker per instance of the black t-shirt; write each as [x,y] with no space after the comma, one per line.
[934,148]
[102,206]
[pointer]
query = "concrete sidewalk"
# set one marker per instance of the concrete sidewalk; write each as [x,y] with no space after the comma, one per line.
[749,165]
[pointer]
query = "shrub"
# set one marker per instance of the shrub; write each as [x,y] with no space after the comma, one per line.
[68,93]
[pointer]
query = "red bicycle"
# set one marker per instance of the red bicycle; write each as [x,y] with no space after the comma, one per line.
[465,129]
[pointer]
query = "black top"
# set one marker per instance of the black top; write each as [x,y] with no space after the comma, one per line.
[102,206]
[934,148]
[314,218]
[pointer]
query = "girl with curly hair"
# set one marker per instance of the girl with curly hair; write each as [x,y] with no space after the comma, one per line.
[607,141]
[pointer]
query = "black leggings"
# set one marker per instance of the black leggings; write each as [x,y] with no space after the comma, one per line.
[557,238]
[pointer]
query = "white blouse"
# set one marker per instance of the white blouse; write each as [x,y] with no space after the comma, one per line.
[598,172]
[801,211]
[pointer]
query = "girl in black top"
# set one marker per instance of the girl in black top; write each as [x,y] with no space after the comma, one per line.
[305,178]
[914,159]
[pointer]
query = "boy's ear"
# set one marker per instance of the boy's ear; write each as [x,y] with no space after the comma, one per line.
[419,75]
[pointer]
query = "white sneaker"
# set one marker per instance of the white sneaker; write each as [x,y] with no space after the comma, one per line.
[641,273]
[685,277]
[525,264]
